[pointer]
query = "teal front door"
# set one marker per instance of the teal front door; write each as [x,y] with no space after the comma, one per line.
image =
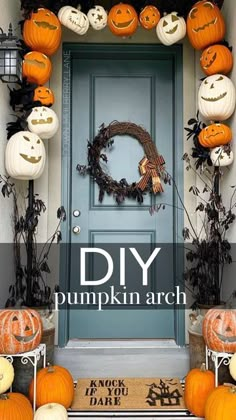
[105,83]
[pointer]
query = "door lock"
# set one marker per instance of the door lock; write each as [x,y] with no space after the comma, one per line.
[76,230]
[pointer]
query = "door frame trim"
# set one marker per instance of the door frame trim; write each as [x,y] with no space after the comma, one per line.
[73,50]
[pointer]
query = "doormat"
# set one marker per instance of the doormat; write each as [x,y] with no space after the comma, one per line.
[128,394]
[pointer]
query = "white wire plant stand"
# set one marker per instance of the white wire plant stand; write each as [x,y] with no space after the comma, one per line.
[219,359]
[32,357]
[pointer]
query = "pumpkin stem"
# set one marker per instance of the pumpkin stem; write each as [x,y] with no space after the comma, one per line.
[50,369]
[1,376]
[232,390]
[4,397]
[203,367]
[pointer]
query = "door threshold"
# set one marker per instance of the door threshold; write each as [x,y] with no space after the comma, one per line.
[121,344]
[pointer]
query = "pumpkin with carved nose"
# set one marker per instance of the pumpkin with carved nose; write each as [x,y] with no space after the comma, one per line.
[122,19]
[216,98]
[42,31]
[219,330]
[216,59]
[205,25]
[20,330]
[171,29]
[25,156]
[43,121]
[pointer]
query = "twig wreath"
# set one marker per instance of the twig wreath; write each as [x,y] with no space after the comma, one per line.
[151,167]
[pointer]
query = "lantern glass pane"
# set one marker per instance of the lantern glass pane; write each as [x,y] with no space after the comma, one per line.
[10,65]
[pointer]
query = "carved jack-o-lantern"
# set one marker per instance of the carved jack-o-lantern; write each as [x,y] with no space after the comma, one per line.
[221,156]
[205,25]
[216,59]
[171,29]
[74,19]
[42,31]
[25,156]
[44,95]
[216,98]
[20,330]
[219,330]
[43,121]
[122,19]
[215,135]
[97,17]
[36,67]
[149,17]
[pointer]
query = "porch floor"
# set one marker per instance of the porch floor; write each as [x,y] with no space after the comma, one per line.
[85,361]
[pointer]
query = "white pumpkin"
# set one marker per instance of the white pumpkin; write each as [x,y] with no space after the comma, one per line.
[221,156]
[51,411]
[97,17]
[232,366]
[6,374]
[74,19]
[25,156]
[216,98]
[43,121]
[171,29]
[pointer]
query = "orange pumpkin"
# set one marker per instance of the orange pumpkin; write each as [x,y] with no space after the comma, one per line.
[216,59]
[54,384]
[221,404]
[15,406]
[219,330]
[36,67]
[149,17]
[42,31]
[205,25]
[198,385]
[215,135]
[122,19]
[20,330]
[44,95]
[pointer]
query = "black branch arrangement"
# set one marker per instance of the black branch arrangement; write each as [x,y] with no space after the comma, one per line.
[207,249]
[30,289]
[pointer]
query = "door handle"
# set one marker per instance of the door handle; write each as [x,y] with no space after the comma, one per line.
[76,230]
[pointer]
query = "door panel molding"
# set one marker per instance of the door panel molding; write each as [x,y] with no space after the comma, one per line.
[135,52]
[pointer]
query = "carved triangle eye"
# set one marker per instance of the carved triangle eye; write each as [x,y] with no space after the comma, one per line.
[174,18]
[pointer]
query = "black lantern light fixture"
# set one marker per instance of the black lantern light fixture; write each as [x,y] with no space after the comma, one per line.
[10,59]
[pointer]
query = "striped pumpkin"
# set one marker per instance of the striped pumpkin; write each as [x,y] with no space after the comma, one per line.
[15,406]
[20,330]
[219,330]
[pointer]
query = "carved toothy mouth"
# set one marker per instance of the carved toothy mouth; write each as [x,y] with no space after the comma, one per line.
[201,28]
[123,24]
[218,98]
[172,31]
[22,339]
[42,121]
[226,339]
[211,62]
[35,63]
[75,23]
[31,159]
[45,25]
